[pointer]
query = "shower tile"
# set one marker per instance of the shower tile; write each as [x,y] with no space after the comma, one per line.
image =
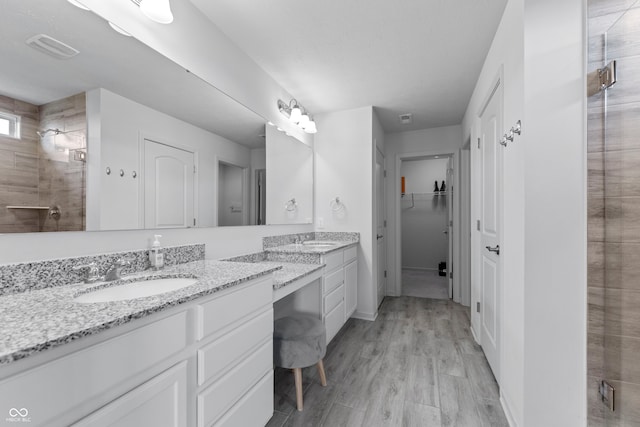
[622,267]
[595,264]
[621,314]
[595,349]
[595,220]
[623,219]
[621,357]
[595,174]
[622,177]
[623,127]
[595,124]
[603,7]
[595,310]
[624,91]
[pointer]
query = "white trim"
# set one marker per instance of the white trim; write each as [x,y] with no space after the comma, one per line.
[398,209]
[365,316]
[507,412]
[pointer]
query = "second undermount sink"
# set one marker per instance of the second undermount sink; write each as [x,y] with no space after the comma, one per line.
[318,244]
[136,289]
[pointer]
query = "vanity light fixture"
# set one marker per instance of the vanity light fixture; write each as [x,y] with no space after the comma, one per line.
[296,114]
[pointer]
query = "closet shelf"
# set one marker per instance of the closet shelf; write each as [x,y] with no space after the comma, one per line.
[41,208]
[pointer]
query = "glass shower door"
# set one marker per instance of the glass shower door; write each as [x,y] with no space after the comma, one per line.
[621,165]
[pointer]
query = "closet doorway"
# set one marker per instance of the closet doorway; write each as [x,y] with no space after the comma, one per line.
[426,226]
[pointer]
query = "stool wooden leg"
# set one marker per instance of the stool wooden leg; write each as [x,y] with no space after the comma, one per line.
[297,374]
[323,378]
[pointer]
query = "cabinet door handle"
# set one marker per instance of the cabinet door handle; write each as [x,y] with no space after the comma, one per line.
[379,236]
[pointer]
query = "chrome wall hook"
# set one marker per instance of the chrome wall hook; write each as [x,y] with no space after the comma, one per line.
[503,141]
[517,128]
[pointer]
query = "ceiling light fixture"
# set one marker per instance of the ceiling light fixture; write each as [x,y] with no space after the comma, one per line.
[156,10]
[296,114]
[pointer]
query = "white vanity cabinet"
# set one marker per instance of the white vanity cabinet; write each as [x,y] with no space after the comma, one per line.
[205,362]
[339,288]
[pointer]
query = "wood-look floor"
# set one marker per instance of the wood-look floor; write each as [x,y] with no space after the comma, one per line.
[416,365]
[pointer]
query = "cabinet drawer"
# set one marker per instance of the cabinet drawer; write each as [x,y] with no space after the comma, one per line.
[160,402]
[350,253]
[332,281]
[254,409]
[333,299]
[218,356]
[334,321]
[53,389]
[332,261]
[216,399]
[230,307]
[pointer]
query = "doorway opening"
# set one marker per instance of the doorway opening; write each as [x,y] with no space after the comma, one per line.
[232,195]
[426,223]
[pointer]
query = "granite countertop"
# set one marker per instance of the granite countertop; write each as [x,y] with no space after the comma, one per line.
[36,320]
[290,272]
[293,248]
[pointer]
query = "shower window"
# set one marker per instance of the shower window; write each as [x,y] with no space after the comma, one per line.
[9,125]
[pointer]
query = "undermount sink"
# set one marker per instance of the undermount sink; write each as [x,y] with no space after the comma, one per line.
[136,289]
[318,244]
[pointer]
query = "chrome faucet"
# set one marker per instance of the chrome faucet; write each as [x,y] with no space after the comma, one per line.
[93,274]
[115,271]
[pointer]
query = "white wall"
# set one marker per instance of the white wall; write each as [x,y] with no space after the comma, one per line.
[544,294]
[212,56]
[442,140]
[344,168]
[289,176]
[424,244]
[555,222]
[504,55]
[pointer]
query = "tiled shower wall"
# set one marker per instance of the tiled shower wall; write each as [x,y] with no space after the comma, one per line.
[43,171]
[614,213]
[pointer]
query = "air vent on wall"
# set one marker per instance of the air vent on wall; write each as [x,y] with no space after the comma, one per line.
[51,46]
[406,119]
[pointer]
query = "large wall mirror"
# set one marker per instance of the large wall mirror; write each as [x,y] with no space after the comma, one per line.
[100,132]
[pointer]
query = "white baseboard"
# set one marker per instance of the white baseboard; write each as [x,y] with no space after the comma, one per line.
[507,412]
[473,333]
[365,316]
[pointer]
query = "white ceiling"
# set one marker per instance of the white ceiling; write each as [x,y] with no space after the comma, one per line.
[401,56]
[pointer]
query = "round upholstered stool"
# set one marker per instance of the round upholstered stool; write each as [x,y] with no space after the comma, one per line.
[299,341]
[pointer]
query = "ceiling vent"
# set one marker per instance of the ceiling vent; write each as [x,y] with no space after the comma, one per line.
[406,119]
[52,47]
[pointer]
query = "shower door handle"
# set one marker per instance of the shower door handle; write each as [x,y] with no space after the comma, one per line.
[496,249]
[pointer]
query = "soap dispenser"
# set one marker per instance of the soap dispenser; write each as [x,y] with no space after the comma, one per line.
[156,255]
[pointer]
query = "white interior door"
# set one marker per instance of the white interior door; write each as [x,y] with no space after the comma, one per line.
[380,227]
[168,186]
[490,227]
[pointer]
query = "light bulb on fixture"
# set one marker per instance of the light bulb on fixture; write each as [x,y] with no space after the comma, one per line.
[311,127]
[296,114]
[157,10]
[304,121]
[118,29]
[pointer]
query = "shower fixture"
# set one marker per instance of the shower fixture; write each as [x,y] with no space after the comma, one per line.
[43,133]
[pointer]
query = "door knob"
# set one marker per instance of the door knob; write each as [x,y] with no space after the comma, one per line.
[379,236]
[446,231]
[496,249]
